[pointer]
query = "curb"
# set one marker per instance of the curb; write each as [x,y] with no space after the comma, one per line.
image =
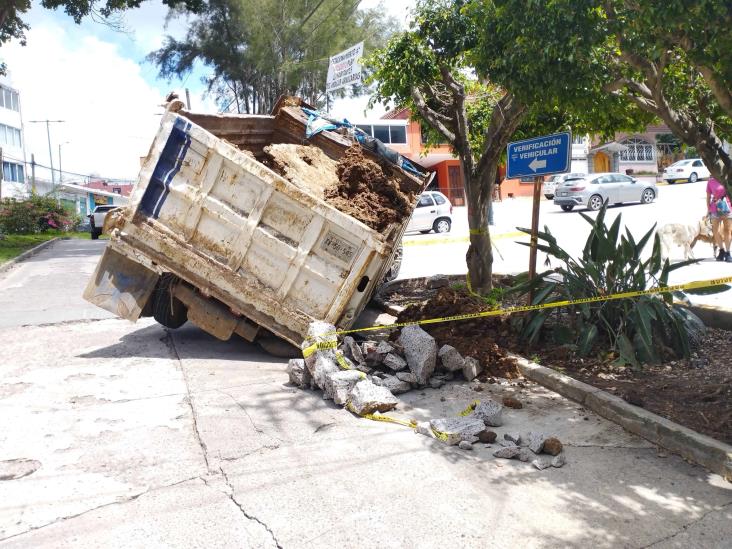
[701,449]
[26,254]
[713,317]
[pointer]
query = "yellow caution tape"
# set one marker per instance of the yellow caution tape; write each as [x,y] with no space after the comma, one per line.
[454,239]
[525,308]
[321,346]
[470,408]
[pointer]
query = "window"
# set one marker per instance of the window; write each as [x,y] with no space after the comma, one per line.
[13,172]
[439,199]
[117,190]
[10,136]
[639,150]
[697,164]
[9,99]
[425,201]
[385,133]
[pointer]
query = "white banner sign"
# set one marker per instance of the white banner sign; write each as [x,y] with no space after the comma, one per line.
[345,68]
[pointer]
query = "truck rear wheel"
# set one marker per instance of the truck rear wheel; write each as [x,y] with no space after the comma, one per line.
[167,309]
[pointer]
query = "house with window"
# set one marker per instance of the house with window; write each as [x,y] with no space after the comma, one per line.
[11,141]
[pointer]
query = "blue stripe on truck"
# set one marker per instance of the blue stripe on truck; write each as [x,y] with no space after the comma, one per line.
[169,164]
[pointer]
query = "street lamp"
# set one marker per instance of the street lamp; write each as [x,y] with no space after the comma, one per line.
[48,134]
[60,173]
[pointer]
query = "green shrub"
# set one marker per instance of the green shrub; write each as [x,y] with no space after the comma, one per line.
[37,214]
[642,329]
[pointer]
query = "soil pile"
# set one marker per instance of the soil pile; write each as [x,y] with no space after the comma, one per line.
[307,167]
[372,193]
[481,338]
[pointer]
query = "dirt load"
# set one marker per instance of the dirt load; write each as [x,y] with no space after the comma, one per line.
[369,191]
[482,338]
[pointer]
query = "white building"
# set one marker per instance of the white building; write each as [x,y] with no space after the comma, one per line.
[12,142]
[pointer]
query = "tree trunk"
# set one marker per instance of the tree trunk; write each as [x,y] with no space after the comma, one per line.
[480,252]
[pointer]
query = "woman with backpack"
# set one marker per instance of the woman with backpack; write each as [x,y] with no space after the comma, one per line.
[720,210]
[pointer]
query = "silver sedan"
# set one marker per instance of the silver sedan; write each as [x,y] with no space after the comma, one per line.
[594,189]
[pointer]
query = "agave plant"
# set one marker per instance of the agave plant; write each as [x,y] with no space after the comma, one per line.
[637,329]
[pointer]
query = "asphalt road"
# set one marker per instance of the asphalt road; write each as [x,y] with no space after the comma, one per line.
[426,255]
[141,437]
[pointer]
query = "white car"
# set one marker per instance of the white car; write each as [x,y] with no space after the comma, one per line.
[96,219]
[551,184]
[691,170]
[433,213]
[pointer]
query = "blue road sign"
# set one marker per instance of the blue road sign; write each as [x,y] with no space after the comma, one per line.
[539,156]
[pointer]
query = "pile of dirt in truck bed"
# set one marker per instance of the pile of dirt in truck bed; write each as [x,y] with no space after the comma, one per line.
[305,166]
[374,193]
[483,338]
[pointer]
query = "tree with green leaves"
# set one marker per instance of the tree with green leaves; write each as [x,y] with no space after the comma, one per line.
[260,49]
[12,26]
[672,60]
[456,80]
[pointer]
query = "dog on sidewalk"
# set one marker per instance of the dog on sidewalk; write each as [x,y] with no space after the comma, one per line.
[685,236]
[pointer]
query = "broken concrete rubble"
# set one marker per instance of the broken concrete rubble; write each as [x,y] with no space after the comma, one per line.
[394,362]
[536,442]
[324,364]
[437,382]
[465,445]
[507,452]
[298,373]
[487,436]
[409,377]
[339,384]
[395,385]
[471,368]
[352,350]
[490,412]
[451,359]
[367,398]
[513,437]
[452,430]
[420,351]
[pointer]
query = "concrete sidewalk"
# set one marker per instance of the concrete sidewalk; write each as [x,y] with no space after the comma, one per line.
[146,439]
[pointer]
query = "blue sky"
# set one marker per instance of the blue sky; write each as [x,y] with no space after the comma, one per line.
[97,80]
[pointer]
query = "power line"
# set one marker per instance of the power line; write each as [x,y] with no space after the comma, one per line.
[26,163]
[312,12]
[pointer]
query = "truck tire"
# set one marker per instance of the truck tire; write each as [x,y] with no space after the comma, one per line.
[168,310]
[95,233]
[278,347]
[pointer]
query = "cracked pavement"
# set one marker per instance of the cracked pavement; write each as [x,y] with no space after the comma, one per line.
[149,437]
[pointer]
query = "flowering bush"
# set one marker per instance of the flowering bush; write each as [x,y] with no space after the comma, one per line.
[37,214]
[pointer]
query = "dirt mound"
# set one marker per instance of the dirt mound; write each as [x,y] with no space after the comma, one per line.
[372,193]
[305,166]
[481,338]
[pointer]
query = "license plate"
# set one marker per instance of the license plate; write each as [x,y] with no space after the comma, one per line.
[562,193]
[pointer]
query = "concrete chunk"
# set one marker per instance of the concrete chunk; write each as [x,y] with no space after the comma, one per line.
[558,460]
[536,442]
[490,412]
[325,364]
[508,452]
[320,334]
[384,348]
[472,368]
[396,385]
[437,382]
[451,359]
[542,462]
[409,377]
[423,428]
[339,384]
[298,373]
[465,445]
[420,350]
[513,437]
[454,429]
[367,398]
[353,351]
[394,362]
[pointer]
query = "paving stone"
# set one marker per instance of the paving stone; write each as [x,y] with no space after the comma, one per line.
[536,442]
[394,362]
[465,445]
[420,350]
[451,359]
[409,377]
[513,437]
[558,460]
[366,398]
[452,430]
[396,385]
[298,373]
[490,412]
[508,452]
[471,368]
[339,384]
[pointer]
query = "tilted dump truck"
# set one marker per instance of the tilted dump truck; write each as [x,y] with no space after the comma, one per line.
[239,224]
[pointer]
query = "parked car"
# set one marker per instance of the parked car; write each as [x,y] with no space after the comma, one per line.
[551,184]
[691,170]
[433,213]
[96,219]
[594,189]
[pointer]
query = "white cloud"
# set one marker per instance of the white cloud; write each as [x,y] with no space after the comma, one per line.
[108,107]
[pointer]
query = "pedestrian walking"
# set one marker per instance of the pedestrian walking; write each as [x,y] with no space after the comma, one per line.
[719,208]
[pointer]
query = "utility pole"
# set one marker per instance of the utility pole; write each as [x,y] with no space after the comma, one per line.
[1,173]
[188,99]
[60,172]
[33,173]
[48,135]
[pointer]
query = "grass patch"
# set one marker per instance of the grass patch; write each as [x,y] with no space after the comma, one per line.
[15,244]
